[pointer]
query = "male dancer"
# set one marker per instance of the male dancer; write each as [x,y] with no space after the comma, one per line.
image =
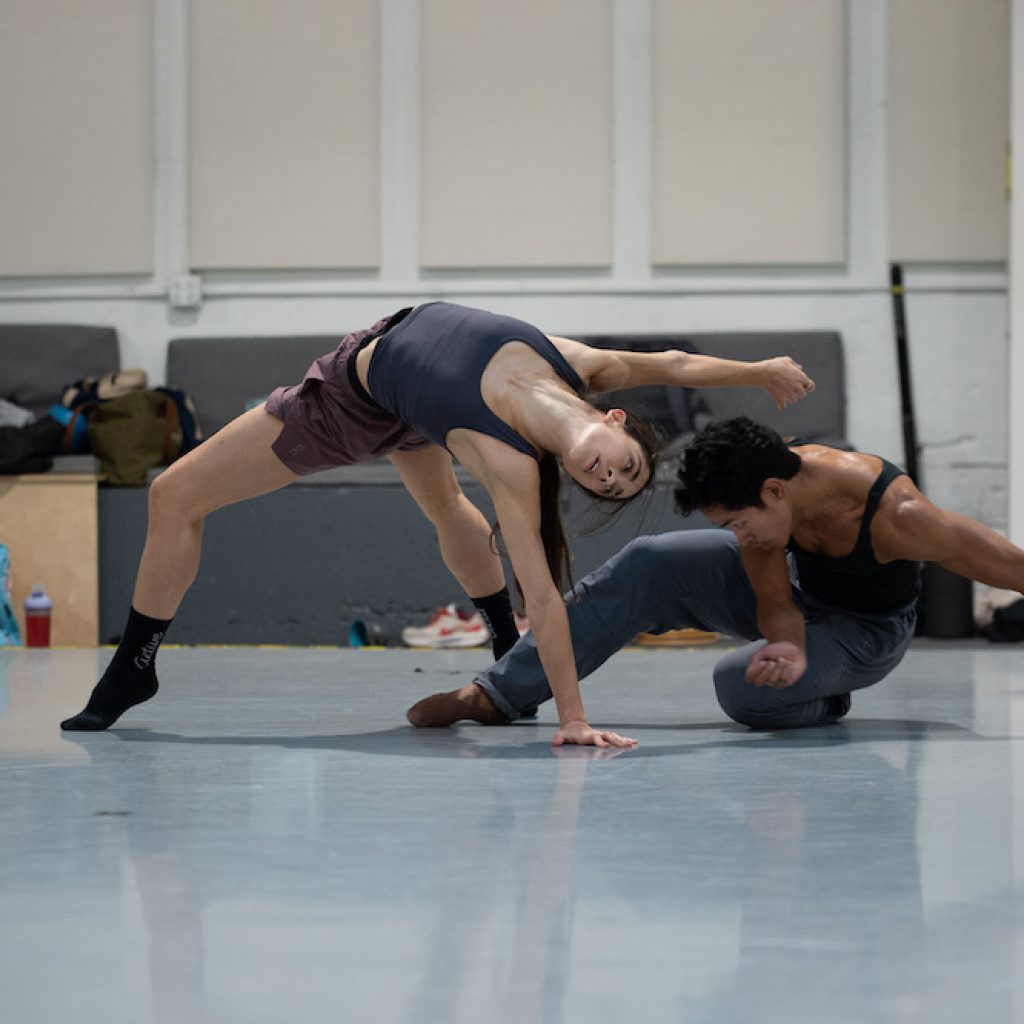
[818,566]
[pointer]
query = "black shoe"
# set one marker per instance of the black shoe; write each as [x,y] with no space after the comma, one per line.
[837,706]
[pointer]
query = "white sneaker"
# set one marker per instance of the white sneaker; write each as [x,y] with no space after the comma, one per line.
[449,627]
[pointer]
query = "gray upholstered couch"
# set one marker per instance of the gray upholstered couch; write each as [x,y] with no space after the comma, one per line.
[299,565]
[225,375]
[40,360]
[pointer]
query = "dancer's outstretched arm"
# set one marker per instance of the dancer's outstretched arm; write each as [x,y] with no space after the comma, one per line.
[614,369]
[909,526]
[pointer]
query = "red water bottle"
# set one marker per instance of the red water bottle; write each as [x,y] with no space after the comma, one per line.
[38,612]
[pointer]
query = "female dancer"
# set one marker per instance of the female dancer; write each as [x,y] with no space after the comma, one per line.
[420,387]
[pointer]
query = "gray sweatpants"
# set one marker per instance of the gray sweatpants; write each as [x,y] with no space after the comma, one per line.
[695,578]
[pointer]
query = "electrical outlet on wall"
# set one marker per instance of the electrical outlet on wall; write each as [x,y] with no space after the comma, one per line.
[186,291]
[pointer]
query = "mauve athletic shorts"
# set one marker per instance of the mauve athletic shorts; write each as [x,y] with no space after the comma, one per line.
[330,420]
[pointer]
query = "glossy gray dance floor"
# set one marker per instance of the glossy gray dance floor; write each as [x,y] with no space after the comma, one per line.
[267,841]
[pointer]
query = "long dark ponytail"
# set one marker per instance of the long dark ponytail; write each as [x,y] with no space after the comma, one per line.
[552,529]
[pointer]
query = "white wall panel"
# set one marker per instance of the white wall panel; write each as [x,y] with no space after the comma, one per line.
[948,126]
[75,145]
[749,132]
[284,134]
[516,132]
[1015,369]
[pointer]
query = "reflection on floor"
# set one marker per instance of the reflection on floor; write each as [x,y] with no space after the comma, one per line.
[268,841]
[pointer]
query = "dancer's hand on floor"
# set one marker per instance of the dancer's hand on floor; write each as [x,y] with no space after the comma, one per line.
[779,664]
[582,734]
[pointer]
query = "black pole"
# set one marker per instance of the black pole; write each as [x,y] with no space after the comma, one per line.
[910,449]
[946,605]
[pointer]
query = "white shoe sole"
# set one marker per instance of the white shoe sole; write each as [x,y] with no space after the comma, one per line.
[456,640]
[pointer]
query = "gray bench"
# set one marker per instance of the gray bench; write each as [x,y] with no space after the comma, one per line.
[40,360]
[820,417]
[265,577]
[678,413]
[298,566]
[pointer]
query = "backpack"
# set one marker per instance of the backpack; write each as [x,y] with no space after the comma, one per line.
[81,401]
[30,449]
[133,434]
[78,399]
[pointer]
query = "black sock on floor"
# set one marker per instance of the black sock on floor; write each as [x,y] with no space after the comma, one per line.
[130,677]
[496,612]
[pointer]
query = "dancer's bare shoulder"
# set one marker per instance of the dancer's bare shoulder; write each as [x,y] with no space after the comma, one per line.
[907,525]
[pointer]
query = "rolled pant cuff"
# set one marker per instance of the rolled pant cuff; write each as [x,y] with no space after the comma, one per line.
[499,700]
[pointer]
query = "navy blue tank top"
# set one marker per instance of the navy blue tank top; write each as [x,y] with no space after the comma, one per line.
[426,370]
[857,582]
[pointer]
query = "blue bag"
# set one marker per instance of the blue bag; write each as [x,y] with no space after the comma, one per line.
[10,636]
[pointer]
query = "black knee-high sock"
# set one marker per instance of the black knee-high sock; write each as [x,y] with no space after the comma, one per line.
[130,677]
[496,611]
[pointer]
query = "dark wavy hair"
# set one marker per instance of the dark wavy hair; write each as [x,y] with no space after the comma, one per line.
[552,528]
[727,464]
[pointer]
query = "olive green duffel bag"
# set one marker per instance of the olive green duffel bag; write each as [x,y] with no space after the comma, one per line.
[133,434]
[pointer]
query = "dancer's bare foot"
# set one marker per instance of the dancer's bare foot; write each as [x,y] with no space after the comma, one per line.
[443,709]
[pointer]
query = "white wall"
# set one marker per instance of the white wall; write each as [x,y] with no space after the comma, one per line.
[516,126]
[771,189]
[957,312]
[75,158]
[1015,423]
[279,94]
[949,114]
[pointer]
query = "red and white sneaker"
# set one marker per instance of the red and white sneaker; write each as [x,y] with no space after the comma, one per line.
[450,627]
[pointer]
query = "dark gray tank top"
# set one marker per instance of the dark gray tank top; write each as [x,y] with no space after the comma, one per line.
[857,582]
[426,369]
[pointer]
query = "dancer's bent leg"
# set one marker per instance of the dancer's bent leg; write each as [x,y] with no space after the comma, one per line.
[690,578]
[235,464]
[844,653]
[464,537]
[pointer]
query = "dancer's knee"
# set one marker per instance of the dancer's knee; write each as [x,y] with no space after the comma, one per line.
[757,707]
[626,588]
[740,700]
[171,499]
[765,707]
[446,507]
[640,561]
